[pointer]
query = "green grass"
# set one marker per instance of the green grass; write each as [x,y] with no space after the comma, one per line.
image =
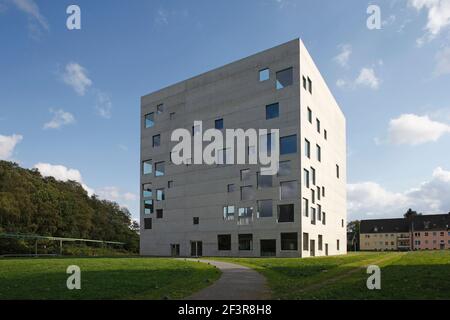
[104,278]
[412,275]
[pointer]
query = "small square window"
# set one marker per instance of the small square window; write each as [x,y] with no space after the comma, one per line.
[284,78]
[224,242]
[228,213]
[159,213]
[264,75]
[196,220]
[245,242]
[147,167]
[149,120]
[231,188]
[169,184]
[288,144]
[218,124]
[160,108]
[156,141]
[172,115]
[264,181]
[272,111]
[289,241]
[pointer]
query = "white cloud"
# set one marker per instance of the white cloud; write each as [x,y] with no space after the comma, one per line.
[60,118]
[414,130]
[103,105]
[341,83]
[438,16]
[76,77]
[7,145]
[442,62]
[344,55]
[162,17]
[369,199]
[115,194]
[368,78]
[62,173]
[32,10]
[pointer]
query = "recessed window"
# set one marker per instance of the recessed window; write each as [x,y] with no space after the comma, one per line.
[147,167]
[305,241]
[305,207]
[160,108]
[245,242]
[342,223]
[338,245]
[264,181]
[310,86]
[160,195]
[245,175]
[160,169]
[148,206]
[284,78]
[218,124]
[318,194]
[310,116]
[323,191]
[313,196]
[245,215]
[147,190]
[149,120]
[288,190]
[306,178]
[313,215]
[304,83]
[265,208]
[307,148]
[320,243]
[286,213]
[231,187]
[337,171]
[264,74]
[319,153]
[169,184]
[284,168]
[224,242]
[228,213]
[272,111]
[289,241]
[313,176]
[324,218]
[196,220]
[288,144]
[325,134]
[247,193]
[318,125]
[156,141]
[319,212]
[159,213]
[147,223]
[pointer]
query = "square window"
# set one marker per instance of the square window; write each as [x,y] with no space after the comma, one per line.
[245,175]
[289,241]
[231,187]
[245,242]
[245,215]
[265,208]
[224,242]
[147,167]
[160,195]
[305,207]
[264,181]
[284,78]
[196,220]
[169,184]
[247,193]
[264,75]
[160,169]
[272,111]
[218,124]
[147,223]
[147,190]
[159,213]
[228,213]
[288,190]
[288,144]
[148,206]
[160,108]
[284,168]
[156,141]
[286,213]
[307,149]
[149,120]
[310,115]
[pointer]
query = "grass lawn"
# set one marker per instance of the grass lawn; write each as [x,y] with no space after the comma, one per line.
[412,275]
[104,278]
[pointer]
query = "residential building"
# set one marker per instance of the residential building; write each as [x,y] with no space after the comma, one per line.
[233,210]
[431,232]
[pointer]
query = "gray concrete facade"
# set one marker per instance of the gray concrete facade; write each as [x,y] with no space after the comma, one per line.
[235,94]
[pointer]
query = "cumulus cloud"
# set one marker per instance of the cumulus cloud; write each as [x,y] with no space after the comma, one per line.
[115,194]
[368,78]
[60,118]
[8,144]
[344,55]
[77,78]
[371,200]
[62,173]
[413,130]
[438,16]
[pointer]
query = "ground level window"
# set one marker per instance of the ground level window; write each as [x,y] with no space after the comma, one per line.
[320,244]
[305,241]
[289,241]
[224,242]
[245,242]
[337,245]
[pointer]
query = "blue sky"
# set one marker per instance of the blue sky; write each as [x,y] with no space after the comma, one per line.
[69,100]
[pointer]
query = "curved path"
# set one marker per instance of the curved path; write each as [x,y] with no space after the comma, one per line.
[236,283]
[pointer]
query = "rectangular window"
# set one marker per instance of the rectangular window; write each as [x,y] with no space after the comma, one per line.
[324,220]
[325,134]
[286,213]
[218,124]
[156,141]
[313,196]
[318,125]
[148,206]
[319,153]
[289,241]
[337,171]
[245,215]
[320,243]
[231,188]
[318,193]
[305,241]
[284,78]
[313,215]
[337,245]
[323,192]
[159,213]
[264,75]
[160,108]
[265,208]
[224,242]
[149,120]
[263,181]
[147,223]
[160,195]
[305,207]
[313,176]
[288,190]
[245,242]
[245,175]
[247,193]
[310,88]
[306,178]
[284,168]
[169,184]
[196,220]
[304,82]
[147,190]
[160,169]
[228,213]
[319,212]
[288,144]
[147,167]
[172,116]
[310,116]
[307,148]
[272,111]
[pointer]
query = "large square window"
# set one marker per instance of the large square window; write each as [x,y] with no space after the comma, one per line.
[284,78]
[288,144]
[245,242]
[247,193]
[148,206]
[149,120]
[156,141]
[286,213]
[265,209]
[228,213]
[272,111]
[218,124]
[264,75]
[224,242]
[288,190]
[147,190]
[289,241]
[147,167]
[160,169]
[264,181]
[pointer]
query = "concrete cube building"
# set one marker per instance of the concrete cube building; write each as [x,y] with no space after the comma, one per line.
[232,210]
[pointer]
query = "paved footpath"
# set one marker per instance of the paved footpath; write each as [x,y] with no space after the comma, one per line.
[236,283]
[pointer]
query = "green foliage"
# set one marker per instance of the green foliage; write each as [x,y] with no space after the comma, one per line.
[32,204]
